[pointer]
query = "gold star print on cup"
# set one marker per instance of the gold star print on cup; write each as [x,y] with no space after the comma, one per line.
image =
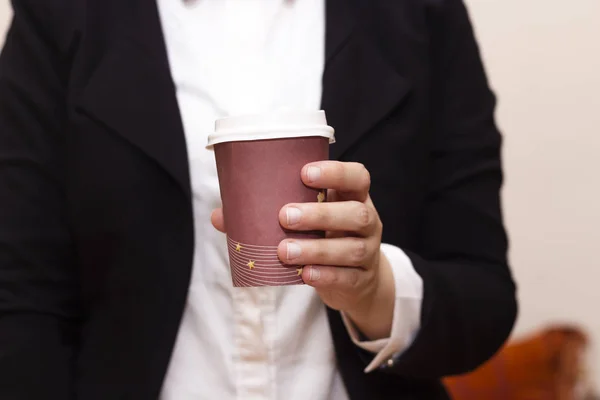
[299,270]
[238,247]
[321,197]
[250,264]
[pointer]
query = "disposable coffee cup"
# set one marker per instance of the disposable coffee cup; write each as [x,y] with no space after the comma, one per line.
[259,160]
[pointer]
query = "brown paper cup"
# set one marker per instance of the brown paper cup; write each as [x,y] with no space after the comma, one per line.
[257,178]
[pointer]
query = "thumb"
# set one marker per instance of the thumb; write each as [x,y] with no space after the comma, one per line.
[216,218]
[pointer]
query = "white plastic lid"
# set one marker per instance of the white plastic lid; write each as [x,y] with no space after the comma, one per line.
[276,125]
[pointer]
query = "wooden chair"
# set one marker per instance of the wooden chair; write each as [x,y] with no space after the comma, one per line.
[545,366]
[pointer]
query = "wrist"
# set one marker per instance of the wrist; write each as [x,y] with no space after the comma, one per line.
[374,317]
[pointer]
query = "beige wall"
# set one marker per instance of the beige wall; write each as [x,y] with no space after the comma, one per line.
[543,58]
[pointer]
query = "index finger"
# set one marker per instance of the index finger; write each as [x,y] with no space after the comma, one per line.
[349,178]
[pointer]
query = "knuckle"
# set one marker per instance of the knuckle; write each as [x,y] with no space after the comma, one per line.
[353,278]
[320,251]
[365,177]
[333,279]
[338,169]
[359,253]
[364,217]
[369,276]
[378,224]
[322,215]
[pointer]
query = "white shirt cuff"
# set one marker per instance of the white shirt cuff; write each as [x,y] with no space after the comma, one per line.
[407,311]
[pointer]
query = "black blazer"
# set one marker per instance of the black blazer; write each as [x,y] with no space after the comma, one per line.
[96,235]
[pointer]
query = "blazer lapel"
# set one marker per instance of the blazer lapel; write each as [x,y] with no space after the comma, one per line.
[359,87]
[132,93]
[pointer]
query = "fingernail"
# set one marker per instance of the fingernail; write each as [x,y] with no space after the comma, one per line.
[313,173]
[293,215]
[314,274]
[293,250]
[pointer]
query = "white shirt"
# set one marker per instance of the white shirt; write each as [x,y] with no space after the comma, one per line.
[238,57]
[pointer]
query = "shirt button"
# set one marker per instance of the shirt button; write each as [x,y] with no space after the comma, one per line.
[390,362]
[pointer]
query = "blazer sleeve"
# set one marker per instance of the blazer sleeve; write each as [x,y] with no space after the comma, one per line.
[38,306]
[469,304]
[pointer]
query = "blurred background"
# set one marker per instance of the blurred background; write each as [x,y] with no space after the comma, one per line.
[543,60]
